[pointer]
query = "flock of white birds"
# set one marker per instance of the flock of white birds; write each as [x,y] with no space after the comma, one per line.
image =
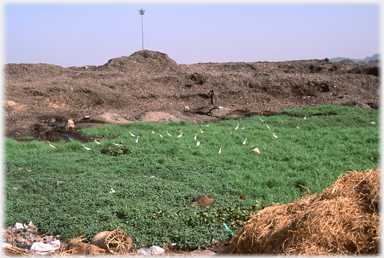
[195,137]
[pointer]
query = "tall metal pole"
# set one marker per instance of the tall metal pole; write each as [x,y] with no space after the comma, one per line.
[141,11]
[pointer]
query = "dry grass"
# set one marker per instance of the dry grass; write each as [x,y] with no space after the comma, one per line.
[343,219]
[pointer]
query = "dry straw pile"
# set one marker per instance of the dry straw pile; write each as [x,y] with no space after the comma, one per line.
[343,219]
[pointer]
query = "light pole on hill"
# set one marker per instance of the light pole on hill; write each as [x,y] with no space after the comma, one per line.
[141,11]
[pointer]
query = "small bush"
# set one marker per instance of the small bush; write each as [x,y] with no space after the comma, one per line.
[113,150]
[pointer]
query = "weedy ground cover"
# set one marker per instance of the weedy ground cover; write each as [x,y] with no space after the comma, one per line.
[65,190]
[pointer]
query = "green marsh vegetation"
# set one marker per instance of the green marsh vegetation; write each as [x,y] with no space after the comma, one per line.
[65,190]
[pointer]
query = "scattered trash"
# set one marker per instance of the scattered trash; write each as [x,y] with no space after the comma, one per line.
[229,231]
[186,109]
[220,107]
[156,250]
[42,248]
[143,251]
[19,225]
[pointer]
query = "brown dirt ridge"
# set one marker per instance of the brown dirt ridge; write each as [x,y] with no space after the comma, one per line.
[149,86]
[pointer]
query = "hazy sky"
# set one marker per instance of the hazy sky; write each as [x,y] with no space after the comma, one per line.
[91,34]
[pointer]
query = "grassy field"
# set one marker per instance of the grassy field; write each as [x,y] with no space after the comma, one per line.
[65,190]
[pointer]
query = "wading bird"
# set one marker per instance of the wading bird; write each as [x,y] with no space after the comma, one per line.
[237,127]
[305,117]
[117,144]
[97,142]
[181,134]
[274,135]
[131,134]
[245,141]
[256,150]
[261,119]
[195,137]
[153,132]
[201,131]
[137,139]
[160,135]
[242,128]
[169,134]
[51,145]
[88,149]
[112,191]
[198,143]
[220,150]
[267,126]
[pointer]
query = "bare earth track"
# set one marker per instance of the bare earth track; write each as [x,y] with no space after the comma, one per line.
[149,86]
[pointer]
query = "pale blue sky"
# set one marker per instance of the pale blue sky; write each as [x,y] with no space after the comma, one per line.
[91,34]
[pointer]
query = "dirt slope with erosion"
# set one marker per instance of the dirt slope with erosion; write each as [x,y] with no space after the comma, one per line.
[150,86]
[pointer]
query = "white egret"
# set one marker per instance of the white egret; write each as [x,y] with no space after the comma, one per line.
[181,134]
[97,142]
[256,150]
[131,134]
[137,139]
[88,149]
[242,128]
[261,119]
[160,135]
[112,191]
[237,127]
[267,126]
[169,134]
[116,144]
[198,143]
[220,150]
[195,137]
[305,117]
[153,132]
[245,141]
[201,131]
[51,145]
[274,135]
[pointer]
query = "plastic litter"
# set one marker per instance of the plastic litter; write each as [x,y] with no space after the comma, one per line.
[19,225]
[144,251]
[229,231]
[41,248]
[155,250]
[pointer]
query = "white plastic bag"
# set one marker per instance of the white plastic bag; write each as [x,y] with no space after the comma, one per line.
[155,250]
[19,225]
[41,248]
[143,251]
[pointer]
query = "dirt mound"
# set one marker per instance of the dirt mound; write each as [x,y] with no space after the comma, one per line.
[343,219]
[141,61]
[129,88]
[202,200]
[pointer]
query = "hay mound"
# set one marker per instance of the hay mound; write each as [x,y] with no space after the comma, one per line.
[343,219]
